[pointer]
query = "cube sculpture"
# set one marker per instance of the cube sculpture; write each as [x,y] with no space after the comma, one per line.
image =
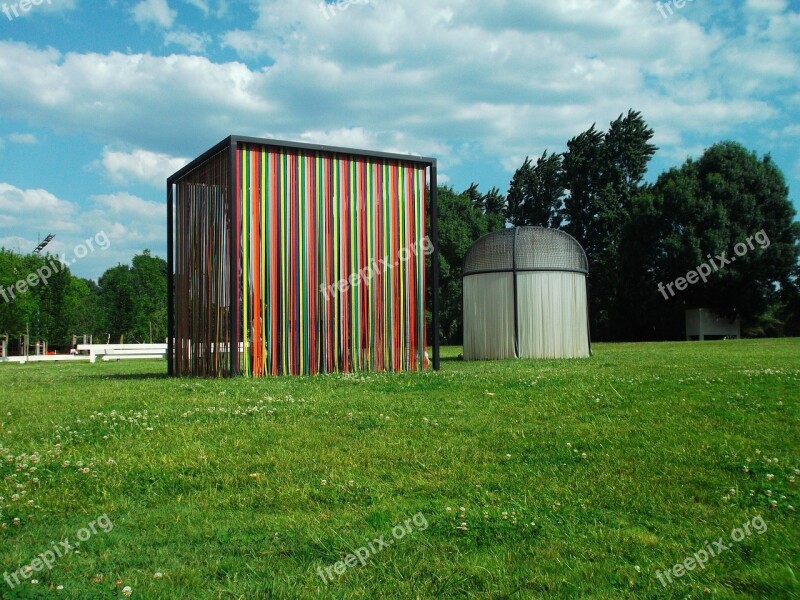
[294,259]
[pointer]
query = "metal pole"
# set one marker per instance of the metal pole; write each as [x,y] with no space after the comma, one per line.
[435,264]
[170,283]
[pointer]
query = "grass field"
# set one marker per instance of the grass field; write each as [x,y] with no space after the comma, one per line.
[560,479]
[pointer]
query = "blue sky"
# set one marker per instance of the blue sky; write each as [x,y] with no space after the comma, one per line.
[99,102]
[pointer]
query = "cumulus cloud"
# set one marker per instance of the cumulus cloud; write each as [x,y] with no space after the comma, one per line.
[496,80]
[138,166]
[32,211]
[130,222]
[193,42]
[21,138]
[154,12]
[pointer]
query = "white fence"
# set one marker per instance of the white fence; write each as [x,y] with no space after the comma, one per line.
[108,352]
[92,352]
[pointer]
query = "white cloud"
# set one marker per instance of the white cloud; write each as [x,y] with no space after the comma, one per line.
[151,168]
[200,4]
[193,42]
[154,12]
[21,138]
[130,223]
[32,211]
[464,81]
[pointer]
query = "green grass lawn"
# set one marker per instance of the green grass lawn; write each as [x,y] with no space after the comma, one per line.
[518,479]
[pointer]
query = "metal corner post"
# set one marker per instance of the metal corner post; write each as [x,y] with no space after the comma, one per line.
[435,264]
[516,294]
[170,282]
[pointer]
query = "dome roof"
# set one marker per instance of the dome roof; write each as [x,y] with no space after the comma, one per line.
[526,249]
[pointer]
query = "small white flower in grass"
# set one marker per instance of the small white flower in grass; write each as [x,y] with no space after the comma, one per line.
[770,476]
[746,469]
[508,456]
[59,587]
[584,456]
[158,575]
[774,504]
[790,507]
[768,493]
[732,492]
[324,482]
[638,569]
[34,581]
[448,509]
[127,591]
[569,445]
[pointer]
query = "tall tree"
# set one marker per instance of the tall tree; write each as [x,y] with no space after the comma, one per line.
[149,280]
[706,207]
[461,223]
[603,173]
[494,209]
[536,193]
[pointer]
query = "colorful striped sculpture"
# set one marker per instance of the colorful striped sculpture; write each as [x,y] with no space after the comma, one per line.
[323,251]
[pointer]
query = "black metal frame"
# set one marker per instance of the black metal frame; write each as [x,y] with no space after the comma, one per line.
[232,142]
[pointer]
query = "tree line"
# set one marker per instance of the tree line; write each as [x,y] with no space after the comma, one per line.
[640,237]
[126,303]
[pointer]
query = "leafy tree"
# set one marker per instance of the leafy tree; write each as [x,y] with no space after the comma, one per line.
[536,193]
[149,280]
[704,209]
[116,297]
[494,210]
[603,173]
[461,223]
[133,299]
[491,205]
